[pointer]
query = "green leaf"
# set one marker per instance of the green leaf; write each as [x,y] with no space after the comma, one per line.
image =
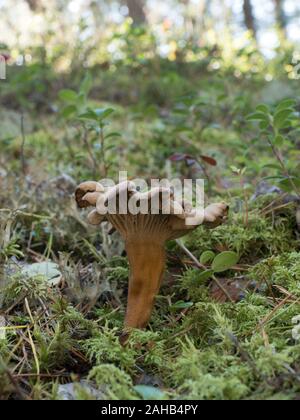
[263,125]
[68,95]
[288,124]
[103,113]
[258,116]
[285,104]
[89,115]
[86,85]
[279,140]
[207,257]
[235,170]
[205,275]
[150,392]
[280,177]
[113,135]
[181,305]
[68,111]
[272,166]
[225,261]
[110,147]
[263,108]
[286,184]
[281,117]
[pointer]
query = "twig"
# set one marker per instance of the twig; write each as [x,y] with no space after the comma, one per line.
[42,375]
[282,206]
[103,157]
[34,353]
[223,289]
[23,161]
[244,354]
[22,213]
[13,381]
[17,327]
[269,317]
[284,291]
[284,168]
[90,151]
[265,336]
[29,311]
[188,252]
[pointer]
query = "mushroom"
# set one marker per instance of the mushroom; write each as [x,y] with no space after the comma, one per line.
[145,235]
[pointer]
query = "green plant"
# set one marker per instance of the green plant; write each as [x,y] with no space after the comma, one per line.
[8,245]
[93,123]
[219,263]
[276,128]
[113,383]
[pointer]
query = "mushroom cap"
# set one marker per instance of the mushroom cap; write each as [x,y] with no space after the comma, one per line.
[111,194]
[171,219]
[83,191]
[94,218]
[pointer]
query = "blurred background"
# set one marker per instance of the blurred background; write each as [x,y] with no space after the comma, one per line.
[200,22]
[178,74]
[66,37]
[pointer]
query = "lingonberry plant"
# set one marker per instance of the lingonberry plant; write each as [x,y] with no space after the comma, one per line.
[277,129]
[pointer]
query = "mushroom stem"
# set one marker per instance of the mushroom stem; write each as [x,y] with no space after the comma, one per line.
[147,264]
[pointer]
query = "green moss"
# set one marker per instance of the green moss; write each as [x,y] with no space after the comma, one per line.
[113,383]
[105,347]
[20,287]
[261,237]
[282,270]
[53,347]
[144,349]
[209,376]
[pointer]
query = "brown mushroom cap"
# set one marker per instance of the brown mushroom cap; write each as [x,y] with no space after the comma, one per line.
[85,191]
[169,223]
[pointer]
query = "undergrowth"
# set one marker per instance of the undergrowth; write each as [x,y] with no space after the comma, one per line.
[232,336]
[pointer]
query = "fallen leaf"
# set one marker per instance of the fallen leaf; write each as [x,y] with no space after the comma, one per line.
[211,161]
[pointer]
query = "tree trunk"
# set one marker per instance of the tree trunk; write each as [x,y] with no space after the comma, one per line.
[35,5]
[280,15]
[202,11]
[249,17]
[136,11]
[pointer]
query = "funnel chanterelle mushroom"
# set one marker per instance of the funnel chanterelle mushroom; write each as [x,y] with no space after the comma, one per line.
[145,236]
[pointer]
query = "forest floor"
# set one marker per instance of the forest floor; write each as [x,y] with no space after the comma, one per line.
[64,283]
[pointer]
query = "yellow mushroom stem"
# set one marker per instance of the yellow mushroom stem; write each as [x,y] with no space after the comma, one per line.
[147,262]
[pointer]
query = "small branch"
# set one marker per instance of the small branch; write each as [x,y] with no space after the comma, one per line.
[188,252]
[14,383]
[270,317]
[223,289]
[90,151]
[22,213]
[23,160]
[34,352]
[285,170]
[103,157]
[42,375]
